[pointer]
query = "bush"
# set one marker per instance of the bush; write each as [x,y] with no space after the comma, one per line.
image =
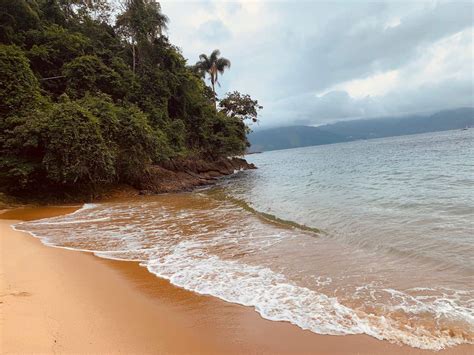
[176,133]
[16,16]
[21,151]
[228,136]
[89,74]
[20,119]
[19,88]
[139,144]
[129,137]
[75,151]
[51,47]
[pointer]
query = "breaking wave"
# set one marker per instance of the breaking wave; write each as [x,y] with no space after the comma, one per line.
[218,248]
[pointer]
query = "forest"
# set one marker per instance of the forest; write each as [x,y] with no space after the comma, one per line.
[93,94]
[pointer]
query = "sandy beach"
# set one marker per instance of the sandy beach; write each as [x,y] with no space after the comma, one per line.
[61,301]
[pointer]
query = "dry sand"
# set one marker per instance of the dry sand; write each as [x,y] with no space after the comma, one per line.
[62,301]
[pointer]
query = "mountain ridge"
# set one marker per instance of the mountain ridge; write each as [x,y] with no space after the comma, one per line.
[370,128]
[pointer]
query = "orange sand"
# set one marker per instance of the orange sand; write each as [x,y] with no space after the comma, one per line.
[56,300]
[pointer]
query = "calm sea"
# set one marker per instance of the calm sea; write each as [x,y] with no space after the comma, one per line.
[373,237]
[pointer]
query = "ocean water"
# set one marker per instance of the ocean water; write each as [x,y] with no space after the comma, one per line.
[370,237]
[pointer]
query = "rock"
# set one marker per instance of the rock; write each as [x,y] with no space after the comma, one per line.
[185,174]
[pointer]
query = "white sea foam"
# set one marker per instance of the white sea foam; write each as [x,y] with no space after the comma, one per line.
[278,299]
[152,234]
[75,221]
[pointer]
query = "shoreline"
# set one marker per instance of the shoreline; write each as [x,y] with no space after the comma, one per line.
[172,176]
[58,300]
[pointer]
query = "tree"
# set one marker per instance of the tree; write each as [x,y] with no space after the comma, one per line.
[74,114]
[19,87]
[240,106]
[132,142]
[20,98]
[49,48]
[75,151]
[15,16]
[141,21]
[213,66]
[89,74]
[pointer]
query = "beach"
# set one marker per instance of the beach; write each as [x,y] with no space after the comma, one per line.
[58,300]
[133,218]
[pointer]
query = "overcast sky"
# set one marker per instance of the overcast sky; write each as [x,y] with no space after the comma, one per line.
[313,62]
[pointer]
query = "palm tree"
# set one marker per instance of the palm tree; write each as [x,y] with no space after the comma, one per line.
[213,66]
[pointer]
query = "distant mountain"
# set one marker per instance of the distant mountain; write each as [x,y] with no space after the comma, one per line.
[302,136]
[399,126]
[291,137]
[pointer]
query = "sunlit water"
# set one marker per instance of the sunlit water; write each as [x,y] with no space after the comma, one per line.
[373,237]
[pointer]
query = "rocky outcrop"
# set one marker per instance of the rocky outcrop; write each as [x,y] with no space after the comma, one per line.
[185,174]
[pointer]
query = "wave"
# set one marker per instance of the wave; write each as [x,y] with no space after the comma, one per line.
[209,250]
[277,299]
[222,196]
[403,251]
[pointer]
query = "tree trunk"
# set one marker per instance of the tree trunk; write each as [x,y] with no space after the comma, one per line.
[133,55]
[214,91]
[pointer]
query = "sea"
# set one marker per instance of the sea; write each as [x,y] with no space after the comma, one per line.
[368,237]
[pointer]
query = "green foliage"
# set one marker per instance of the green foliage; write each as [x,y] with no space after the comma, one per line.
[49,49]
[75,151]
[102,107]
[21,151]
[213,66]
[89,74]
[83,103]
[176,133]
[140,144]
[18,86]
[52,12]
[16,16]
[142,20]
[241,106]
[132,142]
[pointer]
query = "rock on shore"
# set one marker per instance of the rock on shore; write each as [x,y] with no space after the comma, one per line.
[185,174]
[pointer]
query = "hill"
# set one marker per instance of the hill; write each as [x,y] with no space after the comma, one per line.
[398,126]
[291,137]
[302,136]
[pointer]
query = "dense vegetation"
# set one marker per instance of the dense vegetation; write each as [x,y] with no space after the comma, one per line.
[87,99]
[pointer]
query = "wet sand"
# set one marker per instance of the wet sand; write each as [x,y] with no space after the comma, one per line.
[57,300]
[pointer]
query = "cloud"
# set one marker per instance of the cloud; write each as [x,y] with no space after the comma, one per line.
[320,61]
[214,31]
[441,77]
[374,85]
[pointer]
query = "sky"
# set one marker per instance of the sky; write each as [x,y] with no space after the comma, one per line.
[315,62]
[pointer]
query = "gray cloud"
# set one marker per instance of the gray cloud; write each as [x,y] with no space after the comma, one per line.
[214,31]
[337,105]
[297,57]
[356,42]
